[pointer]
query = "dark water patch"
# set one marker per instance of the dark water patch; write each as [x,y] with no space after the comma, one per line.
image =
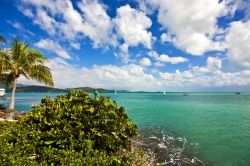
[168,147]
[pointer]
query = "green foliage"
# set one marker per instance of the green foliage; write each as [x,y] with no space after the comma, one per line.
[72,129]
[20,59]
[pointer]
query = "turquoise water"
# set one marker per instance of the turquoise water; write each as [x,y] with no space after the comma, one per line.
[218,123]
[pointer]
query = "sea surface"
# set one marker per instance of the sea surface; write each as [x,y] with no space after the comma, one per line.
[215,127]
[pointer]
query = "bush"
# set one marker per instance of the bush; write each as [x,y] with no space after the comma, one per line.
[71,129]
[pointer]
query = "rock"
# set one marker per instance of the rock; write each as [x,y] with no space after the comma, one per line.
[10,116]
[167,149]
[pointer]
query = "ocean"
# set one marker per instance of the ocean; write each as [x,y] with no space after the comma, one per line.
[214,127]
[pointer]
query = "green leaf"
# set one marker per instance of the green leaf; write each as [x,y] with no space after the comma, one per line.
[49,142]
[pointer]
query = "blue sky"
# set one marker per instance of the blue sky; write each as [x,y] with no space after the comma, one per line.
[151,45]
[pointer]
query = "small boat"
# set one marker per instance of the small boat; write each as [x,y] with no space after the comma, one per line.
[237,93]
[2,92]
[164,92]
[115,92]
[185,94]
[34,105]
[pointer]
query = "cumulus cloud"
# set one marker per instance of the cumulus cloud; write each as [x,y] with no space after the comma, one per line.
[60,18]
[130,77]
[97,24]
[88,18]
[237,40]
[131,26]
[159,64]
[134,77]
[190,24]
[145,62]
[192,28]
[167,37]
[163,58]
[52,46]
[209,76]
[188,81]
[214,64]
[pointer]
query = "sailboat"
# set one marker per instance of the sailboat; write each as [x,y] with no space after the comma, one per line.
[164,92]
[115,92]
[2,92]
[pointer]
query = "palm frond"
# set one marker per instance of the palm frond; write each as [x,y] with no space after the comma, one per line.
[8,80]
[35,56]
[5,61]
[42,74]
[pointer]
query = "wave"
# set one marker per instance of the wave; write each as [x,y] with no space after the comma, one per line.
[168,147]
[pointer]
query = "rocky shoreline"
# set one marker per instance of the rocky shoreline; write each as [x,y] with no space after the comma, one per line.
[167,149]
[8,116]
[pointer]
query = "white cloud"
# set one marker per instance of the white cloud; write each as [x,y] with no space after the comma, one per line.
[75,45]
[167,59]
[97,24]
[145,62]
[130,77]
[166,37]
[16,24]
[159,64]
[192,28]
[46,22]
[89,19]
[131,26]
[237,40]
[193,23]
[60,18]
[209,76]
[200,70]
[134,77]
[26,12]
[52,46]
[214,63]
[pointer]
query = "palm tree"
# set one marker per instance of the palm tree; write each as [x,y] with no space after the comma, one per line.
[19,60]
[2,40]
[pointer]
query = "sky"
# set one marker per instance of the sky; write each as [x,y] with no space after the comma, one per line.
[136,45]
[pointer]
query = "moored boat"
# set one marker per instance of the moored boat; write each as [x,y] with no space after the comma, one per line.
[2,92]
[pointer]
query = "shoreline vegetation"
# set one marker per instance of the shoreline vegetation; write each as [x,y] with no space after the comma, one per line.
[144,149]
[74,128]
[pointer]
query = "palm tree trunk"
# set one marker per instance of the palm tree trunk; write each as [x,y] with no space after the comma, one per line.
[12,100]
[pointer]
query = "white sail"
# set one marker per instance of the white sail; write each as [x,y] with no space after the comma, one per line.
[2,92]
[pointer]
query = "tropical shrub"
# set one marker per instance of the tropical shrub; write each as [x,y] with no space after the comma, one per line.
[74,129]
